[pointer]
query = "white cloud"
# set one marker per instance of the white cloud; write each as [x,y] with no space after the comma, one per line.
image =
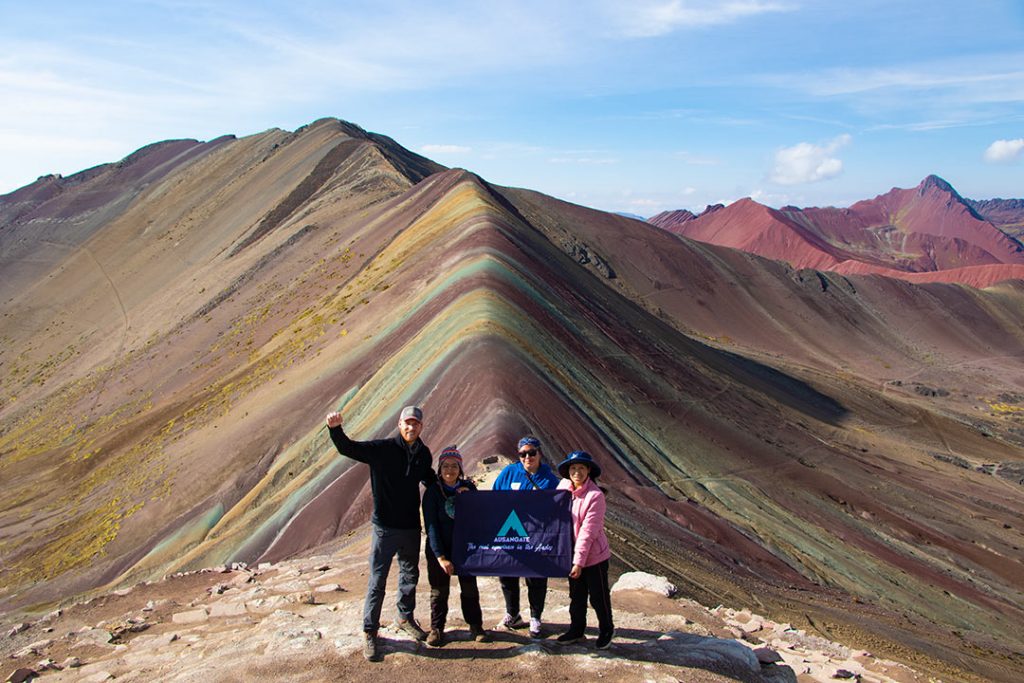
[773,199]
[646,203]
[650,19]
[445,149]
[1004,151]
[808,163]
[928,95]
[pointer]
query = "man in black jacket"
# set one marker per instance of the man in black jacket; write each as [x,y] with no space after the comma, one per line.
[397,466]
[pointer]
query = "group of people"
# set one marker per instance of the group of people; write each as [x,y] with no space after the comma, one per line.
[397,468]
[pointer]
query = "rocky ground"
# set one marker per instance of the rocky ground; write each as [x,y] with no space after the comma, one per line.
[300,620]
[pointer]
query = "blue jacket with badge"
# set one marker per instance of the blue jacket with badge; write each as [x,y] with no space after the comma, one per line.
[515,478]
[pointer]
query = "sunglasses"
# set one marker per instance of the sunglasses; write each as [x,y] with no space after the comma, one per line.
[529,453]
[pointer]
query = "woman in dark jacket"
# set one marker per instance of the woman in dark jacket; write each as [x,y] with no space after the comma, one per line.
[439,518]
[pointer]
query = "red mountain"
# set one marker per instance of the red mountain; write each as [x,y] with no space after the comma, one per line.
[903,233]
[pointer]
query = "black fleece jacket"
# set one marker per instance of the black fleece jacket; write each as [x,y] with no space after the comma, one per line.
[440,525]
[396,470]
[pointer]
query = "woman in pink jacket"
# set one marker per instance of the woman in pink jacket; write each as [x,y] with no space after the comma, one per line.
[589,575]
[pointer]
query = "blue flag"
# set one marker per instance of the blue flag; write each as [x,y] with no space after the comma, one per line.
[512,533]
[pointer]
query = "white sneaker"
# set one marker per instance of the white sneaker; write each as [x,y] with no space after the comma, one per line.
[535,628]
[509,622]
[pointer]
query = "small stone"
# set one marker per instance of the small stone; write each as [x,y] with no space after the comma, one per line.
[35,648]
[328,588]
[844,674]
[196,616]
[93,636]
[124,591]
[217,589]
[490,460]
[121,629]
[150,606]
[767,655]
[228,609]
[754,625]
[241,579]
[162,640]
[71,663]
[21,675]
[16,629]
[47,665]
[329,574]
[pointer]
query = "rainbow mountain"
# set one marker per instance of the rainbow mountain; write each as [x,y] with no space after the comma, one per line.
[845,451]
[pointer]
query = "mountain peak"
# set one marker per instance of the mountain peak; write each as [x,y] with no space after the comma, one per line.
[937,183]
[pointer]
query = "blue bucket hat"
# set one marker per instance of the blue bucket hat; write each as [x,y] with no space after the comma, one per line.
[581,458]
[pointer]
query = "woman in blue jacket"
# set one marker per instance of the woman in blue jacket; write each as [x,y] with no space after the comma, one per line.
[439,518]
[529,474]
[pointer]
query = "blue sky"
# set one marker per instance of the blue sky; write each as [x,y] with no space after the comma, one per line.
[636,106]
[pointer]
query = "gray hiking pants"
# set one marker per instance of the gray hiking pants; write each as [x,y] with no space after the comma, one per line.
[386,544]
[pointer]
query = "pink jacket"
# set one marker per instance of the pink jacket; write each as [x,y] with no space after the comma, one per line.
[588,524]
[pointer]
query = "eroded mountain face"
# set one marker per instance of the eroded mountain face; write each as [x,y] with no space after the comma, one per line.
[175,328]
[924,234]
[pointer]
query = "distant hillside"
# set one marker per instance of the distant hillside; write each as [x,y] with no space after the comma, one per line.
[1005,214]
[929,230]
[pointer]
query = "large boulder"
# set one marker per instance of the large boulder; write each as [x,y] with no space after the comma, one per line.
[645,582]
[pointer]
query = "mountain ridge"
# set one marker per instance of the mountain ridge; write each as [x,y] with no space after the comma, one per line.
[930,228]
[766,431]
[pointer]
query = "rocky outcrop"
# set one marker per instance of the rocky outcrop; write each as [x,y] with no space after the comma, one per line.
[294,616]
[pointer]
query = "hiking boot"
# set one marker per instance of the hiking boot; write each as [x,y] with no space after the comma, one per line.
[570,637]
[477,632]
[435,638]
[604,639]
[371,648]
[510,622]
[410,627]
[535,631]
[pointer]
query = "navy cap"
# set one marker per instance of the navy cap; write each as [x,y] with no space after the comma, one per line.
[580,458]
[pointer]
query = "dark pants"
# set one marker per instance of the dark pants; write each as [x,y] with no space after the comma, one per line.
[440,588]
[536,591]
[593,582]
[386,544]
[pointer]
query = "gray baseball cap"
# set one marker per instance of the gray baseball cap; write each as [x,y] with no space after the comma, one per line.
[413,412]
